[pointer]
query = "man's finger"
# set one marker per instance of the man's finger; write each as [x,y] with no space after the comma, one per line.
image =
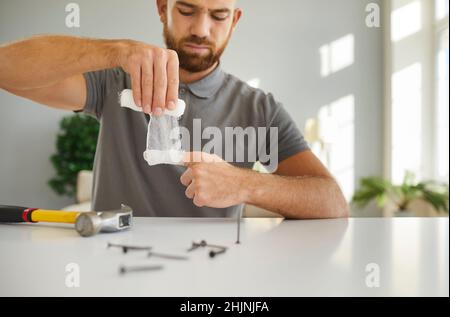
[191,158]
[200,157]
[190,191]
[136,86]
[147,85]
[198,202]
[172,80]
[159,84]
[187,177]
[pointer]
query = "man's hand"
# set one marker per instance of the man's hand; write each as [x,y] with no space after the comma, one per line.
[303,188]
[154,75]
[153,70]
[212,182]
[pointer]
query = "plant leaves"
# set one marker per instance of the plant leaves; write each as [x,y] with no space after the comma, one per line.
[75,151]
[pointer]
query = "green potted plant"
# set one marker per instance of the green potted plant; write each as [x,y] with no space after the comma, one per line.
[75,150]
[383,192]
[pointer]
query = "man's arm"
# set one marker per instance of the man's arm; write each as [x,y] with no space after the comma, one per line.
[49,69]
[302,188]
[68,94]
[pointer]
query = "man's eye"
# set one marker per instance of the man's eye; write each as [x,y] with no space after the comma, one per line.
[186,13]
[220,16]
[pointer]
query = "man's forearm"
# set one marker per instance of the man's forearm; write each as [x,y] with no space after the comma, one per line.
[45,60]
[295,197]
[212,182]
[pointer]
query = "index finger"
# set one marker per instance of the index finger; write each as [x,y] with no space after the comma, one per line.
[191,158]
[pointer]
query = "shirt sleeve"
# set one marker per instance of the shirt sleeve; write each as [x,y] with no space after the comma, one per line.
[287,140]
[95,93]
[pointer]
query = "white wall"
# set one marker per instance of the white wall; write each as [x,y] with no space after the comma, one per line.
[276,41]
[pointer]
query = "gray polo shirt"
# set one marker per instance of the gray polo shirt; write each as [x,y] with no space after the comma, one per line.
[220,100]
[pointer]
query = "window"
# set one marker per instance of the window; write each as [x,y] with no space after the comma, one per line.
[337,134]
[407,122]
[417,85]
[441,9]
[442,92]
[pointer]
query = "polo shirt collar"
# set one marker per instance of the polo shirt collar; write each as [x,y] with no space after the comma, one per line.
[209,85]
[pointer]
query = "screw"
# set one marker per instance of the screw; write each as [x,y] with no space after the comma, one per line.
[126,248]
[167,256]
[124,269]
[213,253]
[196,245]
[203,243]
[239,217]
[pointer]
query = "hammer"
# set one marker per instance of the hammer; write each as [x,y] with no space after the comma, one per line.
[86,223]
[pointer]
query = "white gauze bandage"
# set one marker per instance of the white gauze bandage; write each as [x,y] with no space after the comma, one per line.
[163,133]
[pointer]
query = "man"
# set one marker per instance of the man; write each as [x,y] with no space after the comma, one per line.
[86,75]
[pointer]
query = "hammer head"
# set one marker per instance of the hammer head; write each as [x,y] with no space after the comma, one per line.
[90,223]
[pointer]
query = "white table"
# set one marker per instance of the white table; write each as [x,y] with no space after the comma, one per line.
[276,258]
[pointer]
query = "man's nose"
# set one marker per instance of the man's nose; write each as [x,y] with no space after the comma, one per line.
[201,26]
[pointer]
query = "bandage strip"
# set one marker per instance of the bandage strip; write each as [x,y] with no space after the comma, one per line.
[127,101]
[163,133]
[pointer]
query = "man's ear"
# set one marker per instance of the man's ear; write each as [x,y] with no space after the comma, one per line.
[236,17]
[162,10]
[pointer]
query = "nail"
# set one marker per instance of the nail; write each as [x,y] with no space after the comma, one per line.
[147,109]
[126,248]
[171,105]
[203,244]
[167,256]
[239,217]
[124,269]
[214,253]
[158,111]
[193,247]
[196,245]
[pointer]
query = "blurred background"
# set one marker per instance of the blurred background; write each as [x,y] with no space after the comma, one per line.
[365,81]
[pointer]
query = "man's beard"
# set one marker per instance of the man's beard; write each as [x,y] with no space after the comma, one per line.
[193,62]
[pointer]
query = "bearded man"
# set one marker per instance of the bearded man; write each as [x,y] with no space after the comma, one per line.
[86,75]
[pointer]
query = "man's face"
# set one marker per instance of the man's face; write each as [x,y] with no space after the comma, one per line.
[198,30]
